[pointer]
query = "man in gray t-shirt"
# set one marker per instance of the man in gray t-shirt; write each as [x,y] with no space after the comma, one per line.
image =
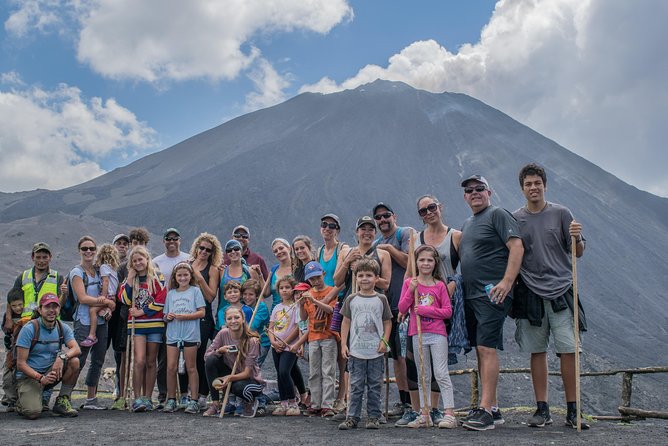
[491,253]
[542,305]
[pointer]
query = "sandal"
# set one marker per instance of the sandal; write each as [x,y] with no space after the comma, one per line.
[88,342]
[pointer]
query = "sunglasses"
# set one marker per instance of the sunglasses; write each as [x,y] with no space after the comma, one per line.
[430,208]
[478,188]
[88,248]
[240,235]
[202,248]
[384,215]
[172,239]
[325,225]
[235,249]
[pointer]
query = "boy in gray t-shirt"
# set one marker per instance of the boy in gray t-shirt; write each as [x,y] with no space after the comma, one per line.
[367,318]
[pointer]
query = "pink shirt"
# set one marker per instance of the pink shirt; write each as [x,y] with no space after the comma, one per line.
[434,307]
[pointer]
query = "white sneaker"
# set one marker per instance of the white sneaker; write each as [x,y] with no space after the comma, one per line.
[448,422]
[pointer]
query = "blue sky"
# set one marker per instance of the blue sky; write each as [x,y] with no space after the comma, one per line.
[89,86]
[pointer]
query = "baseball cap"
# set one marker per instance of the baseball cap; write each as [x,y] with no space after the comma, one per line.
[41,246]
[381,205]
[302,286]
[49,298]
[242,227]
[312,269]
[174,230]
[232,244]
[333,217]
[120,237]
[365,220]
[478,178]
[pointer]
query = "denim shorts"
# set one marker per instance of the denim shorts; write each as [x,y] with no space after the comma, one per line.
[155,338]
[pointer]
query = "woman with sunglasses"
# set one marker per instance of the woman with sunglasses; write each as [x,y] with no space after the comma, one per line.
[205,256]
[86,284]
[237,271]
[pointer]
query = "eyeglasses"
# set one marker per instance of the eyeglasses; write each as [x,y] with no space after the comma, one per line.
[235,249]
[478,188]
[202,248]
[172,239]
[325,225]
[88,248]
[430,208]
[384,215]
[240,235]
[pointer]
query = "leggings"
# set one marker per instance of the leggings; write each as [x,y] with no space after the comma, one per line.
[246,389]
[288,374]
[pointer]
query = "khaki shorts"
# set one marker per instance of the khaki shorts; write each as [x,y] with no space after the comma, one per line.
[532,339]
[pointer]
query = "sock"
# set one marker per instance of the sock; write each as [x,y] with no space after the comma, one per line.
[66,390]
[542,405]
[571,407]
[404,397]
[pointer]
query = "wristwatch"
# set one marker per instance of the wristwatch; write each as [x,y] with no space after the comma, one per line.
[63,356]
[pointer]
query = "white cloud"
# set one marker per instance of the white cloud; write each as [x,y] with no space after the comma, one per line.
[270,87]
[54,139]
[41,15]
[588,73]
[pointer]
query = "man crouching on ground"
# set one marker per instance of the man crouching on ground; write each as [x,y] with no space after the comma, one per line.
[41,363]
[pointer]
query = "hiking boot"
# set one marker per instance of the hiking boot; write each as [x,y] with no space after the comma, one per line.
[572,421]
[88,342]
[420,421]
[448,422]
[171,406]
[63,407]
[541,417]
[436,416]
[409,415]
[213,410]
[249,408]
[372,423]
[481,420]
[349,423]
[119,404]
[396,410]
[92,404]
[496,415]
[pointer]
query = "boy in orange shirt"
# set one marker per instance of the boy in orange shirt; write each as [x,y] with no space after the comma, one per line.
[321,339]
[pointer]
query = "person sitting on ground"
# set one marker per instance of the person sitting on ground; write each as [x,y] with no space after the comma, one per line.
[42,363]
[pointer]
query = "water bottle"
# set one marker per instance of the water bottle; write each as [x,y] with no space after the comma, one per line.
[403,336]
[182,363]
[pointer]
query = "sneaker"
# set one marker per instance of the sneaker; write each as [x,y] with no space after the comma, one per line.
[420,421]
[202,403]
[213,409]
[396,410]
[293,411]
[261,410]
[171,406]
[280,410]
[230,408]
[467,416]
[339,406]
[192,407]
[481,420]
[149,405]
[88,342]
[382,419]
[238,410]
[572,421]
[436,416]
[159,406]
[183,402]
[349,423]
[409,415]
[496,415]
[139,405]
[92,404]
[448,422]
[119,404]
[249,408]
[541,417]
[63,407]
[372,423]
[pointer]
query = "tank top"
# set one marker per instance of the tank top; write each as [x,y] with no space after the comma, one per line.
[208,311]
[447,253]
[370,254]
[328,266]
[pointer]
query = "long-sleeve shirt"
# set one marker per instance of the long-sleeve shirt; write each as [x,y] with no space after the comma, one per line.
[151,303]
[434,307]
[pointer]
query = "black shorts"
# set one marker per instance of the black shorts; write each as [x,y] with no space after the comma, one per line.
[120,333]
[395,339]
[185,344]
[411,369]
[484,321]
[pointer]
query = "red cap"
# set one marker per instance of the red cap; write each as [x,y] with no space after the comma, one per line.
[302,286]
[49,298]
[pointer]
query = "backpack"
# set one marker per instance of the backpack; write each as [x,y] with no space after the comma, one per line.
[71,304]
[397,234]
[11,356]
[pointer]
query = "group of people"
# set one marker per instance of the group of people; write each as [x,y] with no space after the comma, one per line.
[394,292]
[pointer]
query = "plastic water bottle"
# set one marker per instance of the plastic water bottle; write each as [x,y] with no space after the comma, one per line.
[403,336]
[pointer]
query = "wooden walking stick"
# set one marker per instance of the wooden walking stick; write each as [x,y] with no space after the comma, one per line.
[236,363]
[129,359]
[576,329]
[413,273]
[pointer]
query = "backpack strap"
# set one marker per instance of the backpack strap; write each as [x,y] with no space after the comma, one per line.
[35,336]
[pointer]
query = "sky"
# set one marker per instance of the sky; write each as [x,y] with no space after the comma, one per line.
[88,86]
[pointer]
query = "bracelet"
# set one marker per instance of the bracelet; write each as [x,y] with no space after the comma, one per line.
[39,381]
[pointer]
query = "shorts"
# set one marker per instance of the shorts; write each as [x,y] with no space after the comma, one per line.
[484,321]
[395,339]
[119,334]
[533,339]
[185,344]
[154,338]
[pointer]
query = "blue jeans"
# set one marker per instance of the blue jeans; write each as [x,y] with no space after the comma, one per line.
[365,373]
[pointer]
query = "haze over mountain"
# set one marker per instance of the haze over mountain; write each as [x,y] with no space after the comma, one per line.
[279,169]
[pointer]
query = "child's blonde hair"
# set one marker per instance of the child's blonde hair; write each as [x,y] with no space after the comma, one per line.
[107,254]
[151,275]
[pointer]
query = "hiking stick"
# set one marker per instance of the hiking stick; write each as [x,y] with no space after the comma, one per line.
[226,397]
[418,321]
[576,329]
[129,359]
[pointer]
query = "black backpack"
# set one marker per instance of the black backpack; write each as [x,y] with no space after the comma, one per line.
[69,308]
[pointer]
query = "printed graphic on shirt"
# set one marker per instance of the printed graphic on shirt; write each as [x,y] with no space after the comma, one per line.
[426,300]
[365,330]
[282,320]
[143,298]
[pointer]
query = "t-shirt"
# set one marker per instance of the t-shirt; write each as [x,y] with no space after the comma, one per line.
[108,271]
[166,264]
[225,338]
[43,355]
[366,314]
[318,329]
[245,309]
[261,322]
[284,318]
[183,302]
[93,290]
[546,265]
[397,279]
[435,307]
[483,250]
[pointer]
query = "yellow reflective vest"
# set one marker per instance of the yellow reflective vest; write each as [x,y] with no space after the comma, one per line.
[30,301]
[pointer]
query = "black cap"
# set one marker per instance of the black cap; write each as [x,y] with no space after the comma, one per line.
[365,220]
[381,205]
